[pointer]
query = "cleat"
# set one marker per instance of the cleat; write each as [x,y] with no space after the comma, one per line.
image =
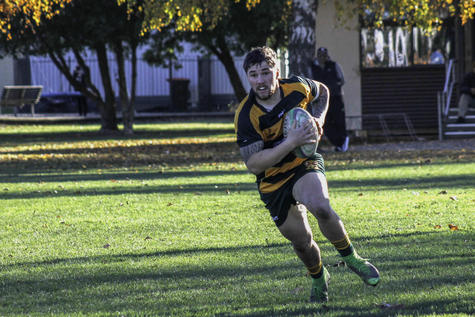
[319,293]
[367,271]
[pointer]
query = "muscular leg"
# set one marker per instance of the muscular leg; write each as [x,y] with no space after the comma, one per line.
[463,104]
[312,191]
[297,230]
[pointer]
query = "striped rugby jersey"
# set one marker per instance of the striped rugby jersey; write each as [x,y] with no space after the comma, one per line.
[253,123]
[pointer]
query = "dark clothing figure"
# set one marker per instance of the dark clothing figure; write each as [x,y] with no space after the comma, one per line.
[329,73]
[80,76]
[467,94]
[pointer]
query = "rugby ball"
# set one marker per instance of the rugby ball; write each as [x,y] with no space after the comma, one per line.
[300,117]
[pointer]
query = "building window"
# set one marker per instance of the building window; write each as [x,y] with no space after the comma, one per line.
[395,46]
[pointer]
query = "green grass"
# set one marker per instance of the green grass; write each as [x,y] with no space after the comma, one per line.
[169,223]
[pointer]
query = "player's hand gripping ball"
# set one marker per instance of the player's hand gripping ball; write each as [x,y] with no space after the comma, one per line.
[300,117]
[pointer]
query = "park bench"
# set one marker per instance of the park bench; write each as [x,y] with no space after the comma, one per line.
[19,96]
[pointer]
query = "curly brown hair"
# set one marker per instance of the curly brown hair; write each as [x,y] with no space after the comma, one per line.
[258,55]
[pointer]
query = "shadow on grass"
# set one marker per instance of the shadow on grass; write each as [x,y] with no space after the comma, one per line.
[376,184]
[118,176]
[161,156]
[165,253]
[218,188]
[394,183]
[93,284]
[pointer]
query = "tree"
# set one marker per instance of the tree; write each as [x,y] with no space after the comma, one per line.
[42,33]
[189,15]
[50,27]
[302,39]
[234,33]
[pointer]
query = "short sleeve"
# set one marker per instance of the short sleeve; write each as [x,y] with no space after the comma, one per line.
[246,133]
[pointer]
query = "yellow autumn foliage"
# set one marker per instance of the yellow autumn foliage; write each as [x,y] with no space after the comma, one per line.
[33,12]
[426,14]
[193,13]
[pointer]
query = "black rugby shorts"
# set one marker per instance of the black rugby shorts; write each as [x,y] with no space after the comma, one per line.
[279,201]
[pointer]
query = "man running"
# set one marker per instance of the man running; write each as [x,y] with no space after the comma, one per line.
[290,186]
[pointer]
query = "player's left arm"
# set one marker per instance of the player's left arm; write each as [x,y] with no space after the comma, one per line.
[319,106]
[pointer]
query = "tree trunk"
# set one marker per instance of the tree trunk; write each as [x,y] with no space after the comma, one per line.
[127,107]
[133,88]
[108,108]
[302,39]
[224,55]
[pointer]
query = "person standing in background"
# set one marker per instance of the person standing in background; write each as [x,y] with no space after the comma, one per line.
[467,94]
[329,73]
[80,75]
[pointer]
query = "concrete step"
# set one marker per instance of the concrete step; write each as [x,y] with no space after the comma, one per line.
[459,134]
[454,111]
[468,117]
[461,126]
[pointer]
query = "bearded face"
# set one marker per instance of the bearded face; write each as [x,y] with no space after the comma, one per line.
[263,80]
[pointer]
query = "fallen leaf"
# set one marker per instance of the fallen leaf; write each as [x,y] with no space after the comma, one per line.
[437,226]
[169,204]
[338,264]
[148,238]
[453,227]
[454,198]
[360,194]
[444,192]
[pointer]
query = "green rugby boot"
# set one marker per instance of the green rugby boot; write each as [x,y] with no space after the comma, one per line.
[319,293]
[367,271]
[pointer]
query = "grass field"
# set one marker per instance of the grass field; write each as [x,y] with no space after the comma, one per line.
[169,223]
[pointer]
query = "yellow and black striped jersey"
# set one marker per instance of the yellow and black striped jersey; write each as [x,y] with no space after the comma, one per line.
[253,123]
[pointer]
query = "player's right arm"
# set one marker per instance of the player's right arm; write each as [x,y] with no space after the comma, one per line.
[258,159]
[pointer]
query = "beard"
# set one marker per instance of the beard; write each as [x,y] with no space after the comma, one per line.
[267,94]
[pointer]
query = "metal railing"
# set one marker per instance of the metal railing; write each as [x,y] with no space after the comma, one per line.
[399,119]
[444,97]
